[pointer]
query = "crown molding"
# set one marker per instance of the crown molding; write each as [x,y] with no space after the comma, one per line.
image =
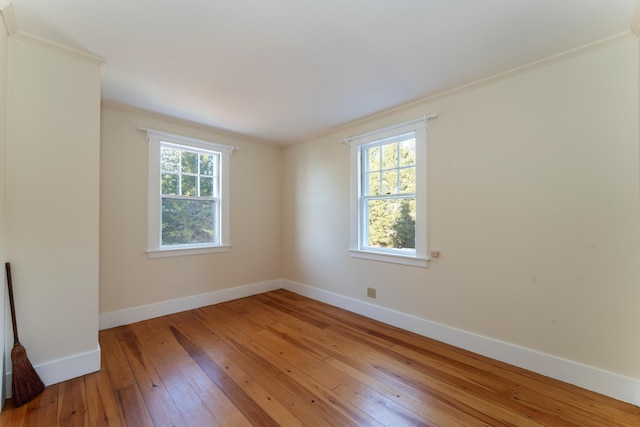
[7,15]
[59,48]
[563,56]
[127,108]
[12,30]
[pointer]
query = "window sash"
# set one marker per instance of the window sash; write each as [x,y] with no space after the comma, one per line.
[180,174]
[365,235]
[367,173]
[388,146]
[198,229]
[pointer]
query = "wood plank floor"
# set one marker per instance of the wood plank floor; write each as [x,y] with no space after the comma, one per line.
[279,359]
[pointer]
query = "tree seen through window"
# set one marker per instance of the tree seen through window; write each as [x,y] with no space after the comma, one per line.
[189,191]
[389,192]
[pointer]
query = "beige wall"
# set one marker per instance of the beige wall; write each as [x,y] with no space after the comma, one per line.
[127,278]
[53,126]
[3,165]
[534,205]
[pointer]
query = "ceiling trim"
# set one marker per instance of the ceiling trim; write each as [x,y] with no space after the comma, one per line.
[60,48]
[12,30]
[221,134]
[563,56]
[7,15]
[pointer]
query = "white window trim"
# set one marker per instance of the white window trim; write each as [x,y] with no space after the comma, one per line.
[154,248]
[421,257]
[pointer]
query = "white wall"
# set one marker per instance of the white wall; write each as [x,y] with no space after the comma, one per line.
[3,165]
[534,204]
[128,279]
[53,131]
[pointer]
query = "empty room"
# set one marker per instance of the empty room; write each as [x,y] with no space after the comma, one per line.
[320,213]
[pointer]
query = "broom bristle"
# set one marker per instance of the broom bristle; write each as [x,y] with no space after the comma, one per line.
[25,383]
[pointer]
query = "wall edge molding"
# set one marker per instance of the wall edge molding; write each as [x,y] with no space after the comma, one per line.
[600,381]
[6,10]
[64,369]
[127,316]
[635,20]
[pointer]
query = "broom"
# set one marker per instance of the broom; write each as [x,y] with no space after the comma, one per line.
[25,384]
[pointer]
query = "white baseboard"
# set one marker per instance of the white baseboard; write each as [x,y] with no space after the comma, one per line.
[146,312]
[610,384]
[63,369]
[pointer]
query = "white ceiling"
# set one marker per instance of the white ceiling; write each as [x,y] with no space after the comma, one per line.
[286,70]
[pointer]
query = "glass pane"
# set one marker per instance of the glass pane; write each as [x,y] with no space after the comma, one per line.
[206,186]
[189,162]
[408,152]
[392,223]
[170,159]
[408,180]
[189,185]
[373,156]
[188,222]
[206,164]
[373,184]
[390,156]
[170,183]
[390,182]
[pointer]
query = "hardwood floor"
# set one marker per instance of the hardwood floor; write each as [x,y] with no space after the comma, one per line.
[282,359]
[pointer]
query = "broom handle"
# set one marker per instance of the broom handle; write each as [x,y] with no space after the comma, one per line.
[13,309]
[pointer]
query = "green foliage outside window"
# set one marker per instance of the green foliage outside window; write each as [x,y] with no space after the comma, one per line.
[392,223]
[187,221]
[390,185]
[188,196]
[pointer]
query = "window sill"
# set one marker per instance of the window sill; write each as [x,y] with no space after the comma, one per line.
[193,250]
[392,258]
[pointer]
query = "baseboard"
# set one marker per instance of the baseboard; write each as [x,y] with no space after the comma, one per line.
[63,369]
[145,312]
[607,383]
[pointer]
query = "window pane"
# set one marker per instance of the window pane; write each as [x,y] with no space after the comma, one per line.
[373,158]
[408,152]
[189,162]
[392,223]
[408,180]
[187,221]
[390,156]
[206,164]
[373,184]
[206,186]
[189,185]
[390,182]
[170,159]
[170,183]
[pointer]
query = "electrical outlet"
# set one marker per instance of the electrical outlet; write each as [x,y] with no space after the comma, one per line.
[371,292]
[435,254]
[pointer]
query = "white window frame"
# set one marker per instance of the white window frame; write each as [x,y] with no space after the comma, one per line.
[358,248]
[155,249]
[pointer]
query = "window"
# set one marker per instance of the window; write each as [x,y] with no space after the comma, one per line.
[388,194]
[188,205]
